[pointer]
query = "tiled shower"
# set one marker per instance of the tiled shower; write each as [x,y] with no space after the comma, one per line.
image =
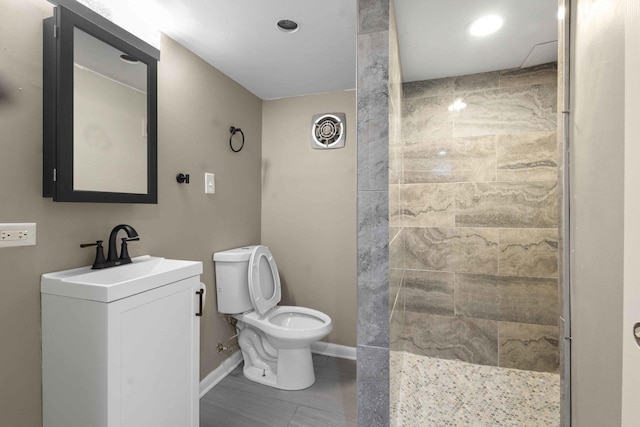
[474,214]
[471,268]
[474,250]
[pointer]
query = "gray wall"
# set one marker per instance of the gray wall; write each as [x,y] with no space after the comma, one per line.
[373,213]
[597,204]
[309,206]
[196,106]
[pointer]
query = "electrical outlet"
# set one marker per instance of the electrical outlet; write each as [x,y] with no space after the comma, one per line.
[17,234]
[13,235]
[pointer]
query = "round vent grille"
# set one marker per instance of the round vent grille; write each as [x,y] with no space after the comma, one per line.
[327,130]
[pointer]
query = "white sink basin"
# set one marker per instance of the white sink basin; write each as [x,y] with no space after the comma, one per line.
[111,284]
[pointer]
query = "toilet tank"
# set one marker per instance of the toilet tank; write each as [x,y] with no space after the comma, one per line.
[232,280]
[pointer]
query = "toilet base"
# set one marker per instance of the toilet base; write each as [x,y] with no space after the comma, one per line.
[294,370]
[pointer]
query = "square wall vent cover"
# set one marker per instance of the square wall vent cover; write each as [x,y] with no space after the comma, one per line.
[328,131]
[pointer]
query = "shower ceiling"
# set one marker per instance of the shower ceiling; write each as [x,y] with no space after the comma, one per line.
[240,38]
[434,41]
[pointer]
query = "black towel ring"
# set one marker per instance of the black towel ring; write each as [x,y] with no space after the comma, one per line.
[233,131]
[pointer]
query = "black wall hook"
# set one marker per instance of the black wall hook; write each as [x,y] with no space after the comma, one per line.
[233,131]
[182,178]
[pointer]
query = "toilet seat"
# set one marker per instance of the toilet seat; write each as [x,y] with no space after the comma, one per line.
[301,322]
[264,280]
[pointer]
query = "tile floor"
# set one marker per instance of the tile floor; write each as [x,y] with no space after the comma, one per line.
[438,393]
[330,402]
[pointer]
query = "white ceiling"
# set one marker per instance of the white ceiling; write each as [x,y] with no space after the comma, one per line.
[434,41]
[240,38]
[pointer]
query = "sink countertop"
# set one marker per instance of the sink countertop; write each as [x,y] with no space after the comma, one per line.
[110,284]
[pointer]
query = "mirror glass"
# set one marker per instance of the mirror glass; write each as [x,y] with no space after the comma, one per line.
[109,118]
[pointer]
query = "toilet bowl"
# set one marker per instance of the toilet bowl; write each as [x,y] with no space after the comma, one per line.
[275,341]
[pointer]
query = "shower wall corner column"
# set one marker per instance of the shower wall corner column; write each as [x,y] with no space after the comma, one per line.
[373,213]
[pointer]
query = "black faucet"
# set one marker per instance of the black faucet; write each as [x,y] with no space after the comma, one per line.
[132,234]
[112,258]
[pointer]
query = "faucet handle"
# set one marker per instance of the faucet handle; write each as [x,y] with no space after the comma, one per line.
[124,252]
[99,261]
[87,245]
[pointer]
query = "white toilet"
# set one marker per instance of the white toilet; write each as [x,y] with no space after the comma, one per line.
[275,340]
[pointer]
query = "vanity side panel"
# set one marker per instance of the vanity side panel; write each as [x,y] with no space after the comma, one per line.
[74,362]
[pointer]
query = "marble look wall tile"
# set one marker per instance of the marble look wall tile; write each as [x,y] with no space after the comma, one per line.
[395,69]
[373,111]
[480,81]
[452,249]
[395,281]
[529,347]
[427,205]
[373,235]
[373,15]
[507,111]
[394,232]
[373,108]
[539,74]
[507,204]
[527,157]
[396,328]
[395,163]
[529,252]
[395,106]
[427,118]
[450,160]
[373,268]
[395,206]
[507,298]
[477,250]
[430,248]
[428,291]
[396,250]
[373,386]
[454,338]
[373,313]
[429,88]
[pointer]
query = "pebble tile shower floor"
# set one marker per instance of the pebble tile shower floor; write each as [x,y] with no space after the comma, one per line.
[438,393]
[330,402]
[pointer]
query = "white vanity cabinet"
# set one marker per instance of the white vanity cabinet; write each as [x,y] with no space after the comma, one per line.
[120,346]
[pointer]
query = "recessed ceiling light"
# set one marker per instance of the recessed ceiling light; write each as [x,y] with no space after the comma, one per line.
[485,25]
[288,26]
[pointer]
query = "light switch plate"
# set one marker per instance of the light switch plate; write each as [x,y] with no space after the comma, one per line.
[17,234]
[209,183]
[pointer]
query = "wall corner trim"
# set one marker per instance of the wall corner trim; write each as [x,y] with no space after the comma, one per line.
[220,373]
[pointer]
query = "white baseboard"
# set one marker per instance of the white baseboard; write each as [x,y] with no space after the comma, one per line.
[334,350]
[220,372]
[225,368]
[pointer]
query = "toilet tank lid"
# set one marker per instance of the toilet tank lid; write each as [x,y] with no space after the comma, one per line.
[234,255]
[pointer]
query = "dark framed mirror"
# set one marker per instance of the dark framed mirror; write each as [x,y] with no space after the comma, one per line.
[100,110]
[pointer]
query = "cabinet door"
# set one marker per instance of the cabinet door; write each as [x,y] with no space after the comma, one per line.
[153,345]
